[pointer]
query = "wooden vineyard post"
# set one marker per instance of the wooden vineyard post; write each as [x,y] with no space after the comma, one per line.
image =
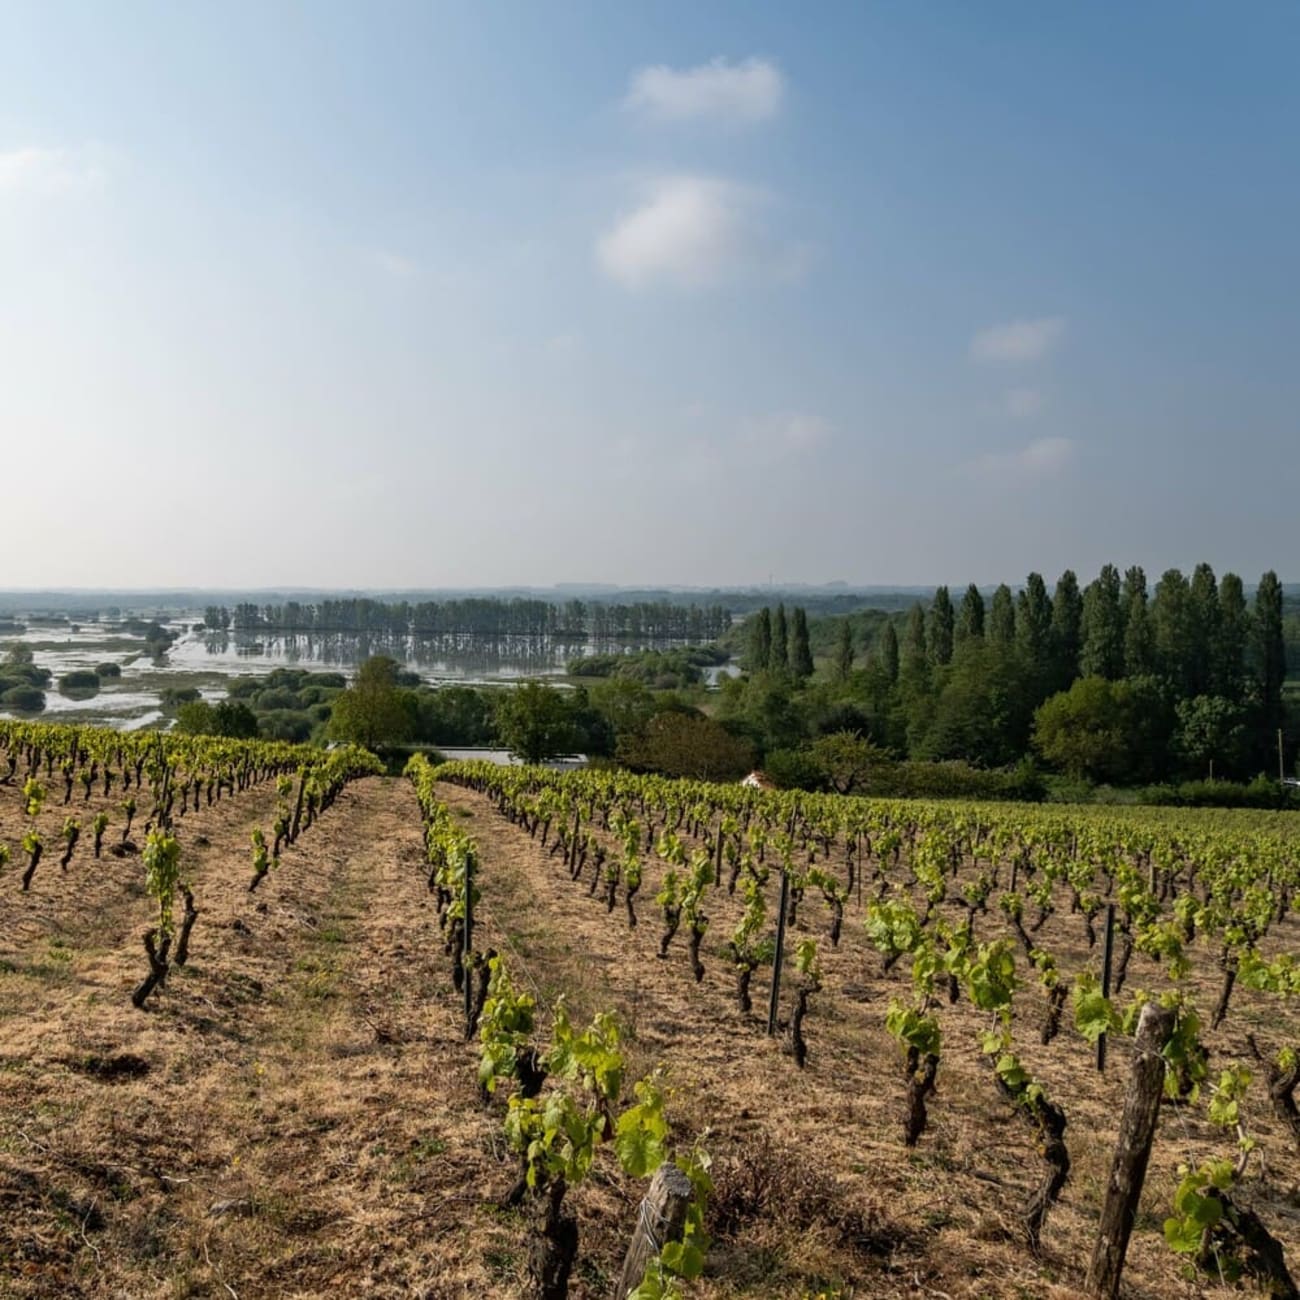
[659,1220]
[467,944]
[1137,1128]
[774,1001]
[1108,948]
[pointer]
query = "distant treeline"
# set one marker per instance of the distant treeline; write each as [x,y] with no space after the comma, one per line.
[576,620]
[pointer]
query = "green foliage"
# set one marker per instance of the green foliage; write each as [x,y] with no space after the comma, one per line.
[371,711]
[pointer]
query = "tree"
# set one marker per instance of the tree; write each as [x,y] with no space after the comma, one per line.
[1034,623]
[982,712]
[1229,650]
[970,618]
[372,710]
[1174,630]
[780,660]
[887,647]
[687,745]
[1269,653]
[801,660]
[844,651]
[845,760]
[1067,629]
[1102,651]
[1205,617]
[1211,730]
[760,645]
[1139,635]
[940,632]
[1084,730]
[534,721]
[1002,617]
[914,642]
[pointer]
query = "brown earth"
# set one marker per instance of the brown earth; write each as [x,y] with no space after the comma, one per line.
[296,1113]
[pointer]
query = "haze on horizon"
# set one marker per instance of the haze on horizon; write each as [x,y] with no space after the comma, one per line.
[427,297]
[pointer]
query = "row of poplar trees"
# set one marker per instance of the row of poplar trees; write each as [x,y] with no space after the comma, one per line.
[781,645]
[1201,637]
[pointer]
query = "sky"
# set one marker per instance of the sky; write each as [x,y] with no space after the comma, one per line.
[425,295]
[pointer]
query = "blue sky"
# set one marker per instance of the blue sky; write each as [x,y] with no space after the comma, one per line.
[425,295]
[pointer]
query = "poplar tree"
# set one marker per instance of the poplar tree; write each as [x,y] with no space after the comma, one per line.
[940,634]
[1034,622]
[914,657]
[1067,629]
[1102,651]
[1229,655]
[760,648]
[780,660]
[970,618]
[844,651]
[1203,631]
[1139,636]
[1172,628]
[801,660]
[1002,617]
[1269,653]
[887,646]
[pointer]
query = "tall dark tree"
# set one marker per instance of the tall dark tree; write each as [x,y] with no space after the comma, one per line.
[780,661]
[760,646]
[1067,629]
[801,660]
[1205,617]
[939,635]
[1102,651]
[844,652]
[1139,634]
[1173,629]
[1268,654]
[914,645]
[887,647]
[970,617]
[1229,655]
[1002,617]
[1034,622]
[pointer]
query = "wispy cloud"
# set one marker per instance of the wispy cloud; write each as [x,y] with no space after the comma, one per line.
[693,231]
[1018,340]
[394,264]
[782,433]
[1041,459]
[1023,403]
[49,171]
[718,91]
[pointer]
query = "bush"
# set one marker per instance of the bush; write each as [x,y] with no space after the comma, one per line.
[793,769]
[277,699]
[109,670]
[285,724]
[81,680]
[23,699]
[173,697]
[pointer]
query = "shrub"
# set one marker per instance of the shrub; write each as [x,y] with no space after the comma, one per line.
[285,724]
[23,699]
[109,670]
[82,679]
[173,697]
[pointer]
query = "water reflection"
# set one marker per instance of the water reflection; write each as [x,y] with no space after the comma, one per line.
[453,656]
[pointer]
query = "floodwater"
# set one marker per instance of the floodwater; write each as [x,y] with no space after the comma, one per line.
[205,660]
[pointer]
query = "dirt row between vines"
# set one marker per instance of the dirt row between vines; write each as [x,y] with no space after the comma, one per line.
[816,1190]
[294,1115]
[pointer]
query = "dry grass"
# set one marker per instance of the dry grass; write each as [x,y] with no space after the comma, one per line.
[296,1114]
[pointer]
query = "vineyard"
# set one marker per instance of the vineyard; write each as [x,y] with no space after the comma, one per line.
[277,1025]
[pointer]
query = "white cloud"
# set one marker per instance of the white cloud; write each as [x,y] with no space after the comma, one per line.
[394,264]
[1023,403]
[719,91]
[1043,458]
[48,172]
[1018,340]
[694,231]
